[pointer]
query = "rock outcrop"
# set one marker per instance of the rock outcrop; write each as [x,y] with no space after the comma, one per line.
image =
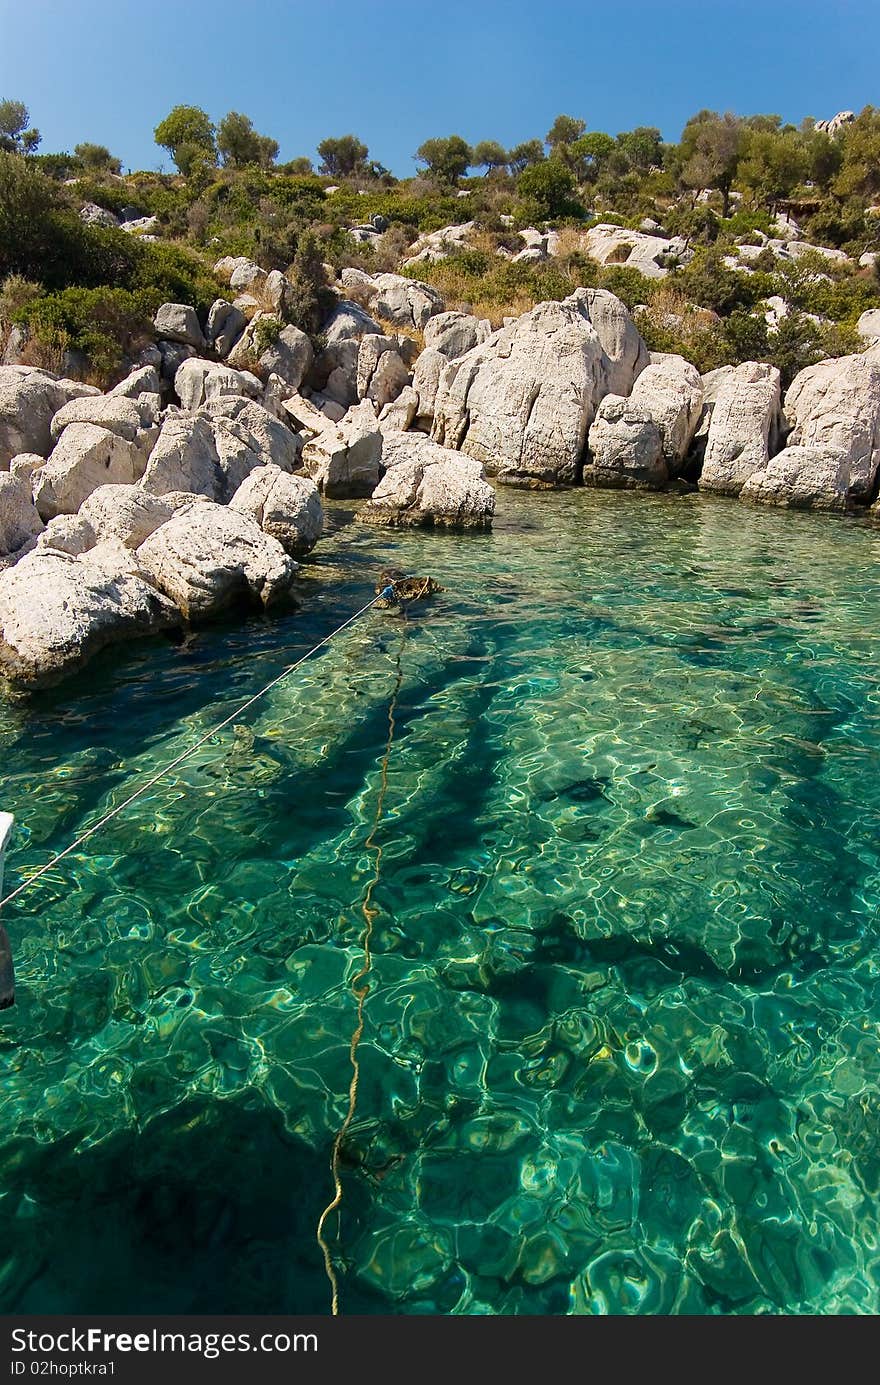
[452,334]
[209,557]
[29,400]
[286,507]
[744,424]
[57,611]
[625,448]
[427,486]
[343,460]
[128,514]
[179,322]
[671,390]
[19,519]
[522,402]
[84,458]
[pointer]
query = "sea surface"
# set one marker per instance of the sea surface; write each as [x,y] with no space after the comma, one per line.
[622,1036]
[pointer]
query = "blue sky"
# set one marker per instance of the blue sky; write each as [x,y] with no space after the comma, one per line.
[396,73]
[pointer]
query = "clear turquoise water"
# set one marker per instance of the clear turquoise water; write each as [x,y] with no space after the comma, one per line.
[623,1036]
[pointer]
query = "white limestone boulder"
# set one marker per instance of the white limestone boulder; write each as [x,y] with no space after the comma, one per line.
[209,557]
[179,322]
[625,448]
[20,521]
[671,390]
[836,404]
[428,486]
[343,460]
[452,334]
[84,458]
[286,507]
[128,514]
[744,422]
[521,403]
[57,611]
[29,400]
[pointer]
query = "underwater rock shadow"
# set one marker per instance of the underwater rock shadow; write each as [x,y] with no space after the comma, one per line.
[210,1208]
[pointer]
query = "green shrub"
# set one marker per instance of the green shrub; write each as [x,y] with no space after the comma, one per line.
[106,324]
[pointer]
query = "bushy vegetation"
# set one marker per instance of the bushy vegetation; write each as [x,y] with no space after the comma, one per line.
[721,186]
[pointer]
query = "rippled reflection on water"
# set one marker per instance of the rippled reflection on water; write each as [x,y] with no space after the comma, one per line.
[623,1038]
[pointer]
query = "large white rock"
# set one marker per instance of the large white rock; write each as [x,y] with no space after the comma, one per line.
[19,520]
[29,399]
[816,477]
[143,380]
[521,403]
[348,322]
[343,460]
[224,327]
[650,255]
[426,382]
[744,421]
[289,356]
[286,507]
[184,458]
[671,390]
[426,486]
[400,415]
[56,611]
[625,447]
[395,298]
[68,534]
[381,374]
[197,380]
[452,334]
[272,439]
[209,557]
[626,353]
[868,325]
[128,514]
[836,404]
[117,413]
[179,322]
[84,458]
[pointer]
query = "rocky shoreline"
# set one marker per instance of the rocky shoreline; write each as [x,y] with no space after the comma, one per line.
[196,483]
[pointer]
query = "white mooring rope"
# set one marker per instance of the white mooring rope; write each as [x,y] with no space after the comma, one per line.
[154,779]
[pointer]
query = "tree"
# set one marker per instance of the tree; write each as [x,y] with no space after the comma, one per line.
[489,154]
[187,132]
[860,142]
[772,163]
[96,158]
[524,155]
[709,152]
[591,152]
[240,144]
[446,159]
[564,130]
[308,300]
[15,137]
[641,148]
[549,185]
[343,157]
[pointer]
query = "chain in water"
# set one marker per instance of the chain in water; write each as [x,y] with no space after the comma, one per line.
[360,990]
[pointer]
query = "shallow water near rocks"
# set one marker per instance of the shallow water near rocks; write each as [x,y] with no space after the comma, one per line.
[623,1031]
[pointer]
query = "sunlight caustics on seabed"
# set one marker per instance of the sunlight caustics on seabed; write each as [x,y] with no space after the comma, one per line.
[622,1038]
